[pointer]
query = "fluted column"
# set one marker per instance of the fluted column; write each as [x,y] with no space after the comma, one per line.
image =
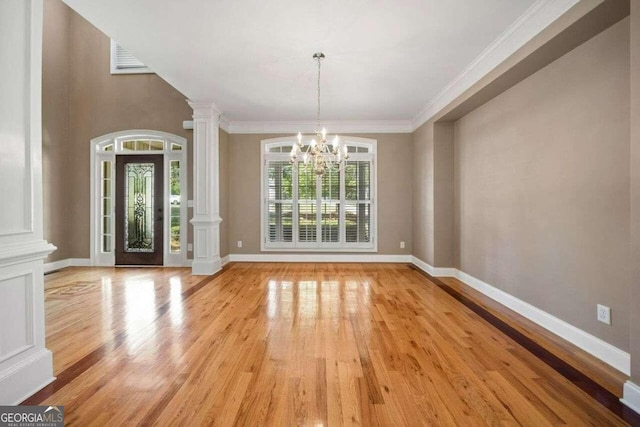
[206,208]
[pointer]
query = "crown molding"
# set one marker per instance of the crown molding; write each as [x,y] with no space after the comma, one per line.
[223,123]
[535,19]
[364,126]
[204,109]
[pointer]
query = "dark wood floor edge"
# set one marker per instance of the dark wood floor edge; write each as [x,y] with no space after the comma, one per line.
[89,360]
[599,393]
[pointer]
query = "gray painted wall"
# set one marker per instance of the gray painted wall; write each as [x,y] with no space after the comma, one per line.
[542,187]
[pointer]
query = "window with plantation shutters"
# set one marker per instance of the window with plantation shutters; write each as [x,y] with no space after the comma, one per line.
[358,201]
[123,61]
[307,202]
[280,201]
[330,206]
[331,212]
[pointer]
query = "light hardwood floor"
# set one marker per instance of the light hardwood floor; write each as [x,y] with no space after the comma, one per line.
[297,344]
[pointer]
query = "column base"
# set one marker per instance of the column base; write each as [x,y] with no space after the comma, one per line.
[26,377]
[206,268]
[631,396]
[206,245]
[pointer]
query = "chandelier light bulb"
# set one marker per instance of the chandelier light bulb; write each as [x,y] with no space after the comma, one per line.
[336,142]
[313,143]
[324,133]
[299,138]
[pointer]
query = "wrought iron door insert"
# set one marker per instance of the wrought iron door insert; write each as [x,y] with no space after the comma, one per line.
[139,204]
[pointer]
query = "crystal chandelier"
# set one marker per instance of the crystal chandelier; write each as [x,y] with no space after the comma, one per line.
[319,152]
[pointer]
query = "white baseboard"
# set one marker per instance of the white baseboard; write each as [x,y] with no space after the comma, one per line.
[225,260]
[86,262]
[26,378]
[287,257]
[56,265]
[593,345]
[80,262]
[434,271]
[69,262]
[631,396]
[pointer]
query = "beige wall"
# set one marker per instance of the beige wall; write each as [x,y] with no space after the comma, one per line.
[394,192]
[634,300]
[423,200]
[96,103]
[443,200]
[542,187]
[433,194]
[224,192]
[55,127]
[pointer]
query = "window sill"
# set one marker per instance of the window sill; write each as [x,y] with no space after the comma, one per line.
[321,250]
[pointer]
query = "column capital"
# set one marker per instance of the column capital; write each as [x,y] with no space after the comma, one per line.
[204,109]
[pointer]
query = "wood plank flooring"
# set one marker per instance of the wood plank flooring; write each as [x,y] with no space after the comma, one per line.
[296,344]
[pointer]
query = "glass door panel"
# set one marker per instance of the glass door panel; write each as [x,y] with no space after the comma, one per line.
[138,210]
[139,204]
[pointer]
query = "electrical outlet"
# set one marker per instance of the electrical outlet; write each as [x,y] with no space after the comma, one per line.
[239,243]
[189,247]
[401,245]
[604,314]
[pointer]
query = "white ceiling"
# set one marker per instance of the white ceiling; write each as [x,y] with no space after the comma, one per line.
[386,59]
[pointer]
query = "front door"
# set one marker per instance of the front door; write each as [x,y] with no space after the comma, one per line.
[139,203]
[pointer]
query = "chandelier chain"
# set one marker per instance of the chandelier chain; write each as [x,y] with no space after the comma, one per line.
[318,112]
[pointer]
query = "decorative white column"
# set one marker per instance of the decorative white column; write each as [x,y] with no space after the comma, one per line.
[25,363]
[206,194]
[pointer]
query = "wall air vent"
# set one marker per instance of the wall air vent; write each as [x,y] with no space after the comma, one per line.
[123,61]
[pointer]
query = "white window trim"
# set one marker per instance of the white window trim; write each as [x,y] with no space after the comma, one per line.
[114,62]
[98,155]
[265,246]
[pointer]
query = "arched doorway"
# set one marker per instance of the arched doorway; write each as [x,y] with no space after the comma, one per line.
[139,199]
